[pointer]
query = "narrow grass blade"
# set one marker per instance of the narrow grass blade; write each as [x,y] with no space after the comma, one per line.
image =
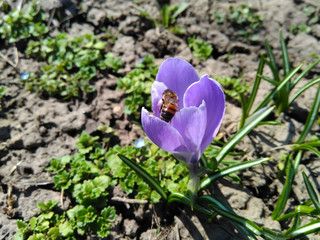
[312,116]
[270,123]
[302,210]
[204,161]
[231,169]
[313,143]
[251,226]
[147,15]
[255,115]
[306,210]
[272,94]
[209,200]
[165,16]
[285,57]
[273,82]
[255,85]
[297,162]
[307,70]
[286,216]
[146,176]
[244,110]
[178,197]
[282,201]
[271,235]
[307,147]
[304,88]
[181,8]
[295,225]
[312,192]
[305,230]
[241,133]
[272,63]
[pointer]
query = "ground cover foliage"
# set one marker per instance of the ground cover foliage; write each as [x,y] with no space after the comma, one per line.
[75,162]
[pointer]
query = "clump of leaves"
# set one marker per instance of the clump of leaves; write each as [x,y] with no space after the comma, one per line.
[50,224]
[172,175]
[244,19]
[18,24]
[313,18]
[169,14]
[233,87]
[89,173]
[84,177]
[199,48]
[88,176]
[219,17]
[137,85]
[72,63]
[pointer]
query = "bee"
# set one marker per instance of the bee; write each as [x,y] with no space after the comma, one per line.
[169,105]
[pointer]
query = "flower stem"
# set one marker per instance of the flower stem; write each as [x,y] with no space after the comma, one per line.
[194,182]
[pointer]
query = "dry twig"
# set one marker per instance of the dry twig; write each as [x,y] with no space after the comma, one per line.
[128,200]
[9,211]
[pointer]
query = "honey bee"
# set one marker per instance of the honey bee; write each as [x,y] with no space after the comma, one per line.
[169,105]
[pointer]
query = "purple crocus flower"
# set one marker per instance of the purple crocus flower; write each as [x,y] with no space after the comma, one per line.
[196,123]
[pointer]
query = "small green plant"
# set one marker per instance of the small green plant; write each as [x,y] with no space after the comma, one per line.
[219,17]
[313,18]
[308,210]
[300,28]
[233,87]
[77,221]
[199,48]
[72,64]
[89,173]
[85,178]
[17,24]
[88,177]
[312,13]
[243,18]
[246,20]
[283,85]
[169,14]
[137,85]
[172,175]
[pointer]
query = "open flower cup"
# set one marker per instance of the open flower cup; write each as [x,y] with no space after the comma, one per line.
[201,108]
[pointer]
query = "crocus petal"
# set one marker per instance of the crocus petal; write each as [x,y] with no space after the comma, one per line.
[191,123]
[177,75]
[211,92]
[162,133]
[157,90]
[184,157]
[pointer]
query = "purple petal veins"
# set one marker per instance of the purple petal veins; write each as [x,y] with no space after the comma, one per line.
[161,133]
[191,124]
[201,109]
[210,91]
[177,75]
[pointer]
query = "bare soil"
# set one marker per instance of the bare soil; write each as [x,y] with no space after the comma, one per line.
[35,128]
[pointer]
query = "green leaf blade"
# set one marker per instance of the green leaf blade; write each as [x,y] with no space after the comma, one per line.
[231,169]
[146,176]
[241,133]
[312,192]
[311,117]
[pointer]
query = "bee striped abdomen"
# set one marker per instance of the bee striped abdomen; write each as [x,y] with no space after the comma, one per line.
[169,105]
[167,112]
